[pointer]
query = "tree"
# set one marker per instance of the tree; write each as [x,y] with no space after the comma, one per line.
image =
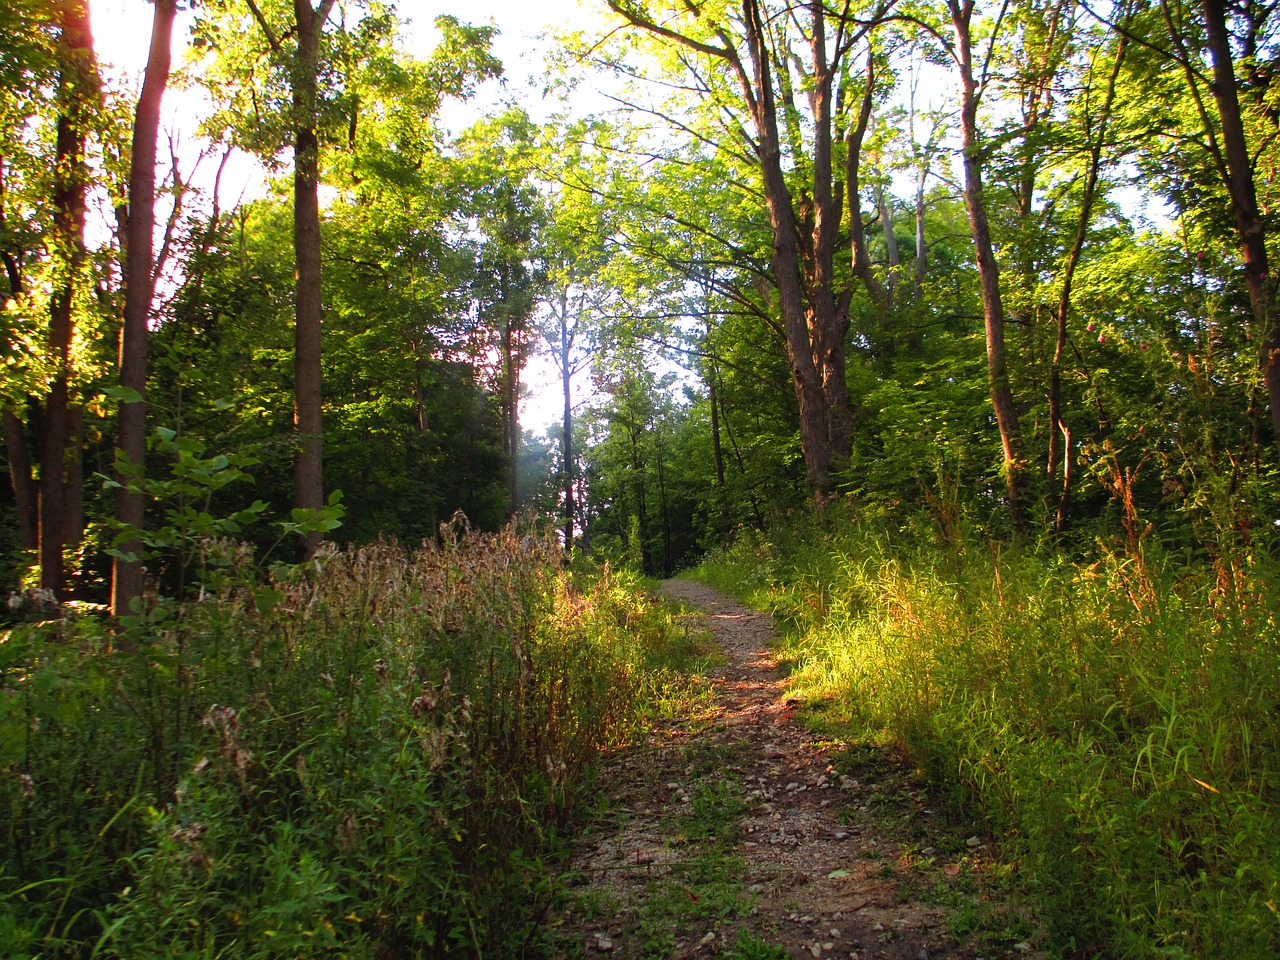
[508,210]
[61,478]
[293,35]
[768,55]
[139,288]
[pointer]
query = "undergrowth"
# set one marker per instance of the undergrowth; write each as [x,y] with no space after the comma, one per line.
[1116,719]
[372,756]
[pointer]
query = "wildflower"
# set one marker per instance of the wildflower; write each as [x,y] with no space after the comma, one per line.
[1102,338]
[426,701]
[1089,328]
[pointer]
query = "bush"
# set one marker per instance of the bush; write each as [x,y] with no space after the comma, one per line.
[1114,719]
[374,756]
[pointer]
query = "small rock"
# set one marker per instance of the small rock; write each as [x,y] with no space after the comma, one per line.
[840,835]
[711,938]
[604,944]
[828,946]
[815,949]
[1022,947]
[973,842]
[756,888]
[835,931]
[928,852]
[922,955]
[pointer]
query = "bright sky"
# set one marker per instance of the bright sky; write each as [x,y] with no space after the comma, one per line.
[122,34]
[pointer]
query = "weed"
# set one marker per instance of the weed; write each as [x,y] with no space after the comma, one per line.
[375,755]
[750,947]
[1110,721]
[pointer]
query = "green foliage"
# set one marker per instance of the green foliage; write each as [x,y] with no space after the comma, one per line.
[1113,719]
[374,753]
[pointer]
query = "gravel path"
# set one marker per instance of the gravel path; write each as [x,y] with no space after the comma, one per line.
[735,834]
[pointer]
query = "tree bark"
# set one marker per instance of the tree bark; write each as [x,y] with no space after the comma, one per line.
[785,260]
[308,475]
[1244,202]
[1059,431]
[566,381]
[25,495]
[854,135]
[890,239]
[988,269]
[139,288]
[77,84]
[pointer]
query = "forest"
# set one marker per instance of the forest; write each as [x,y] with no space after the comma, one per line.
[942,330]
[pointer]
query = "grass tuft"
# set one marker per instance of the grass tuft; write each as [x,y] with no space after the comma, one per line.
[1114,720]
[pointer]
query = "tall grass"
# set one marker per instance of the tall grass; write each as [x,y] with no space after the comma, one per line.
[1116,719]
[372,758]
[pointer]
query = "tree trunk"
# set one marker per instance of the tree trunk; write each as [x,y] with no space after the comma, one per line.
[308,476]
[890,239]
[26,498]
[1059,432]
[1244,202]
[988,270]
[922,249]
[717,449]
[126,580]
[566,380]
[76,85]
[25,495]
[785,261]
[854,135]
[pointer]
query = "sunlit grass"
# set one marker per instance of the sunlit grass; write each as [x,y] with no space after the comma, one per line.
[1115,720]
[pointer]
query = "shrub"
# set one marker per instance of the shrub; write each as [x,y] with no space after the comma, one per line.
[373,756]
[1113,718]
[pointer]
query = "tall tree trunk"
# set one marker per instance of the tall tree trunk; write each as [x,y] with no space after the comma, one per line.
[668,563]
[77,85]
[829,316]
[25,495]
[1244,202]
[988,270]
[139,288]
[717,449]
[855,133]
[890,238]
[785,261]
[1059,431]
[922,248]
[566,381]
[308,475]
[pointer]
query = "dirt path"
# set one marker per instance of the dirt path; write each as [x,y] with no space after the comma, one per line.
[736,835]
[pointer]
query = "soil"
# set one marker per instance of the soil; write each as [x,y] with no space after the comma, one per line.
[739,834]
